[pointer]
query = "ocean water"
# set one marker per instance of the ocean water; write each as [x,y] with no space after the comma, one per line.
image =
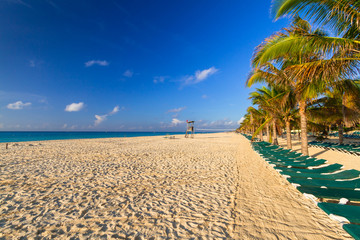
[43,136]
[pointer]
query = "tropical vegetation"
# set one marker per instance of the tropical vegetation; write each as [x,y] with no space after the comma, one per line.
[310,75]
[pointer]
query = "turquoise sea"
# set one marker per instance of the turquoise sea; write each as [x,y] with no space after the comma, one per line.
[42,136]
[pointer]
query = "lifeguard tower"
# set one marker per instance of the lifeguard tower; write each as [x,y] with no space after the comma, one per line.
[190,129]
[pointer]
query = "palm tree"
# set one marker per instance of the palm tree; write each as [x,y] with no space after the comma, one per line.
[258,117]
[343,16]
[268,99]
[270,74]
[342,52]
[311,62]
[304,87]
[245,124]
[340,105]
[289,113]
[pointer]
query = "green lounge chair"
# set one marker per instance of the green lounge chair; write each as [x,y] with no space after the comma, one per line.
[276,159]
[351,213]
[331,193]
[304,158]
[304,164]
[348,184]
[353,230]
[325,169]
[346,174]
[293,159]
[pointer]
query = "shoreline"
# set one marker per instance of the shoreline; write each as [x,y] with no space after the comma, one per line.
[135,134]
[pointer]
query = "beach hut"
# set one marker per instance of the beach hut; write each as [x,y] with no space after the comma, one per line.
[190,130]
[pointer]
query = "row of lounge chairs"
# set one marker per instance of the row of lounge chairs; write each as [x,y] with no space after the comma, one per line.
[353,149]
[320,182]
[354,135]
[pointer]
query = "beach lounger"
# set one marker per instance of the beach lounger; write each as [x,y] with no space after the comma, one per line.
[331,193]
[353,230]
[294,154]
[271,147]
[346,174]
[291,160]
[304,164]
[316,181]
[345,148]
[304,158]
[347,184]
[350,212]
[326,169]
[286,157]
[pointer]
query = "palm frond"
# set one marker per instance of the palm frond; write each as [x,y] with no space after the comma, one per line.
[341,15]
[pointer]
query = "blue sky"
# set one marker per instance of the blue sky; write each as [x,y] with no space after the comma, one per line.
[127,65]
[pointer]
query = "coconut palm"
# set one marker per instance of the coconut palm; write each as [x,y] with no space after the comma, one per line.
[258,117]
[245,125]
[340,105]
[289,114]
[342,52]
[315,63]
[304,87]
[268,99]
[343,16]
[272,75]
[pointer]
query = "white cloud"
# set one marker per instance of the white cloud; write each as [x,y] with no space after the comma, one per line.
[96,62]
[176,122]
[202,75]
[74,107]
[69,127]
[159,79]
[204,96]
[188,80]
[241,120]
[223,124]
[176,110]
[1,125]
[128,73]
[199,76]
[100,118]
[229,123]
[18,105]
[115,110]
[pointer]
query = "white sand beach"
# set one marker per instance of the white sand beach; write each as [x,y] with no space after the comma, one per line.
[211,187]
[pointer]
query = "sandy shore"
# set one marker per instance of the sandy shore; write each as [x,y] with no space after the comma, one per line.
[210,187]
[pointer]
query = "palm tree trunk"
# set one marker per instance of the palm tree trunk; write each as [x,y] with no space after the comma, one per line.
[268,132]
[303,126]
[341,133]
[288,135]
[275,141]
[261,135]
[341,125]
